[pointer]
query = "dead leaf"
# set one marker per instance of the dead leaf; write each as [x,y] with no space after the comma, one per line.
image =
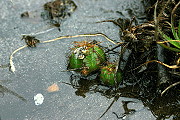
[53,88]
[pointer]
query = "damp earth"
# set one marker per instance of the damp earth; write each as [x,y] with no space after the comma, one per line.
[41,65]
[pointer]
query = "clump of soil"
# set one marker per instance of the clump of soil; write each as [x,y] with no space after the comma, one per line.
[58,10]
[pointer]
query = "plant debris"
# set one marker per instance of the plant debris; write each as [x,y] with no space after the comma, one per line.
[25,14]
[4,89]
[31,41]
[53,88]
[58,10]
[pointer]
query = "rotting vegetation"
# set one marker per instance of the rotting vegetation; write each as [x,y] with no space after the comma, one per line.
[151,72]
[58,10]
[54,12]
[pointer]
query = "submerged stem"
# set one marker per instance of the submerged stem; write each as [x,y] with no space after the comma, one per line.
[114,100]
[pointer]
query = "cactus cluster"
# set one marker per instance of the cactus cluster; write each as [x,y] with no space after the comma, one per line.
[109,75]
[87,57]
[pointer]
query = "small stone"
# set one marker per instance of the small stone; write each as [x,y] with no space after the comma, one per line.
[39,98]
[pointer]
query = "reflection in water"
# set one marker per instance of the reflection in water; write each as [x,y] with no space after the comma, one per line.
[83,85]
[162,107]
[126,109]
[4,89]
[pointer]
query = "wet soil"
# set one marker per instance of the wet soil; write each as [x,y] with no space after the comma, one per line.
[40,65]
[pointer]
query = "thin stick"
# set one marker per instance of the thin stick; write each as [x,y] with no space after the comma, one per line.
[41,32]
[172,13]
[169,66]
[4,66]
[114,100]
[168,41]
[82,35]
[156,21]
[12,67]
[170,87]
[162,10]
[113,21]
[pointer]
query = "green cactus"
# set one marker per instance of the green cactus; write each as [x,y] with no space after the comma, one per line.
[75,63]
[86,57]
[109,76]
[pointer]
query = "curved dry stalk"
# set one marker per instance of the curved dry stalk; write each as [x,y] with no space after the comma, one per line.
[12,67]
[82,35]
[169,66]
[162,10]
[157,17]
[156,21]
[172,13]
[170,87]
[168,41]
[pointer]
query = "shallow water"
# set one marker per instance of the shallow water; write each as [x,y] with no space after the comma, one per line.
[37,68]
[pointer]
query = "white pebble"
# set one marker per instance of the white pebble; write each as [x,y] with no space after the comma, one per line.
[39,98]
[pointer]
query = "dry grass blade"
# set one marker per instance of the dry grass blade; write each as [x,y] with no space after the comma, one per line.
[168,41]
[170,87]
[82,35]
[12,67]
[169,66]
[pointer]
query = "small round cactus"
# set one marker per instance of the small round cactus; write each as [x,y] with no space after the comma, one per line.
[109,76]
[86,57]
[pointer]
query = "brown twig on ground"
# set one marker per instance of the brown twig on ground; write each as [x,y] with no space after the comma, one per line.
[168,41]
[12,67]
[169,87]
[169,66]
[82,35]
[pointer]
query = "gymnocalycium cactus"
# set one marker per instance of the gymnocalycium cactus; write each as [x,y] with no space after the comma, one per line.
[109,76]
[86,57]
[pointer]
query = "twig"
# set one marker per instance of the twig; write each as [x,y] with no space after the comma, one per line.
[12,67]
[156,21]
[113,21]
[168,41]
[82,35]
[114,100]
[169,66]
[170,87]
[4,66]
[172,13]
[162,10]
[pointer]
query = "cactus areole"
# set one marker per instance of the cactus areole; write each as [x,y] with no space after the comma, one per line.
[86,57]
[109,76]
